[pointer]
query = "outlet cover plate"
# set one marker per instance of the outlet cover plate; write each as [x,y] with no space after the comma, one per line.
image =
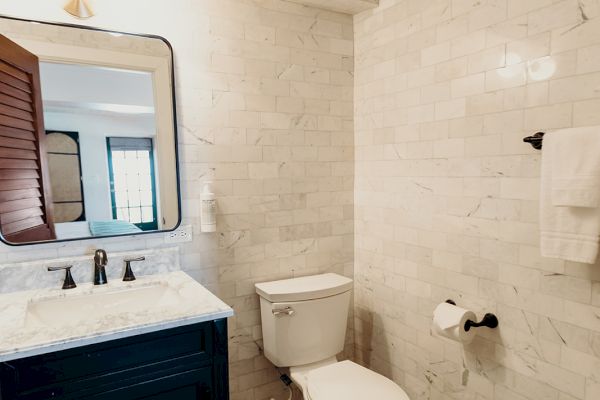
[180,235]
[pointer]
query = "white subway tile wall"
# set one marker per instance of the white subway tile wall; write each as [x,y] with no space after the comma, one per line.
[446,195]
[264,93]
[445,203]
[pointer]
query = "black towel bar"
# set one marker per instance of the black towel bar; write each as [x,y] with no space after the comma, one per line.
[536,140]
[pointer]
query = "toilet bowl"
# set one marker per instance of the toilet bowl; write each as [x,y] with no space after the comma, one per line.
[344,380]
[304,326]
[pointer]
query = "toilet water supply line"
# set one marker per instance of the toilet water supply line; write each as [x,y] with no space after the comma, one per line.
[284,378]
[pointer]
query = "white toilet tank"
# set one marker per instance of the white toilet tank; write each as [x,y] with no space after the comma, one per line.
[304,319]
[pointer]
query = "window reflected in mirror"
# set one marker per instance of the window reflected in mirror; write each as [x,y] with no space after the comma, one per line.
[131,166]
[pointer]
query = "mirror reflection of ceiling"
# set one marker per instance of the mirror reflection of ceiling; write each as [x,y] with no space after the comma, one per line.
[96,89]
[92,93]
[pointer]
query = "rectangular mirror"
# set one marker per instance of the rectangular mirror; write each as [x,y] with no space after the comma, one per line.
[88,141]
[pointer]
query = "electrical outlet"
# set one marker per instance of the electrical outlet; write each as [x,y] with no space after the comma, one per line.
[181,235]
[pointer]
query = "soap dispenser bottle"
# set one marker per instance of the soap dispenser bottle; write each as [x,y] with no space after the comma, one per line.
[208,211]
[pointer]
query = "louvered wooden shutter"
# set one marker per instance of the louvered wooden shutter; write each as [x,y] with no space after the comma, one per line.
[25,199]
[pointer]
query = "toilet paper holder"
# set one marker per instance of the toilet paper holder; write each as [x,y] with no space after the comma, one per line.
[489,320]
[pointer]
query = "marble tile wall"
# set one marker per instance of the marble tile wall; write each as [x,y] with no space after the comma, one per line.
[264,92]
[447,194]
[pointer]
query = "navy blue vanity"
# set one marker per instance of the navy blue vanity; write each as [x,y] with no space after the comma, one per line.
[188,362]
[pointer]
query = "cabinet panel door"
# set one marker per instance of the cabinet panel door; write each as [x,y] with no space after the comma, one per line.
[190,385]
[187,392]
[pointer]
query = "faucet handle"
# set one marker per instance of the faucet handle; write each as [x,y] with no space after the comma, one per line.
[141,258]
[68,283]
[129,276]
[100,257]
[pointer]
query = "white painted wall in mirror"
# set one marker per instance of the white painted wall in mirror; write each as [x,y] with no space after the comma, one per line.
[93,130]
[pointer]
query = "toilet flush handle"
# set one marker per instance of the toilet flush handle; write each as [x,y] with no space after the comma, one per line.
[284,311]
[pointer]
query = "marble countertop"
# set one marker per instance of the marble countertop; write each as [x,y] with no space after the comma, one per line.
[22,335]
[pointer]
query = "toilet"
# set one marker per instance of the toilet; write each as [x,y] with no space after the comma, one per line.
[304,326]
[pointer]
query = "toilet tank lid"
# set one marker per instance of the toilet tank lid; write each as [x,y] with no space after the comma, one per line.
[304,288]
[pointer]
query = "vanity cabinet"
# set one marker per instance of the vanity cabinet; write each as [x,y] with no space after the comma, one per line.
[188,362]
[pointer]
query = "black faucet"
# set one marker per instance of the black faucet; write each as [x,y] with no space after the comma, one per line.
[100,261]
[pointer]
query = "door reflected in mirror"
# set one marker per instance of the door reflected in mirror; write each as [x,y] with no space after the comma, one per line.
[87,134]
[64,161]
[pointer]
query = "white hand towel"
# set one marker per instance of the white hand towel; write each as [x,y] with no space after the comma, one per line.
[576,167]
[569,233]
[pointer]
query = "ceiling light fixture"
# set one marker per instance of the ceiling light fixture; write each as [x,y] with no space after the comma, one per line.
[79,8]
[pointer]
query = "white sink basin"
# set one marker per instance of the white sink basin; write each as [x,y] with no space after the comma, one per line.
[78,308]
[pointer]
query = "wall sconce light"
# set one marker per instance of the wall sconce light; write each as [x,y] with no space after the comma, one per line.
[79,8]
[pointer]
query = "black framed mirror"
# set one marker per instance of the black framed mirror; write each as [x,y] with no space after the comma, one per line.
[88,135]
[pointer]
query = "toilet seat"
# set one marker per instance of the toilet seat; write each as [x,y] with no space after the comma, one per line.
[349,381]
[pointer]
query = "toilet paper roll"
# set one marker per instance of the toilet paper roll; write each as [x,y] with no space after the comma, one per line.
[449,321]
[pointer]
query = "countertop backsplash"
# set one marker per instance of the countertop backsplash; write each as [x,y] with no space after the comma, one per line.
[30,275]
